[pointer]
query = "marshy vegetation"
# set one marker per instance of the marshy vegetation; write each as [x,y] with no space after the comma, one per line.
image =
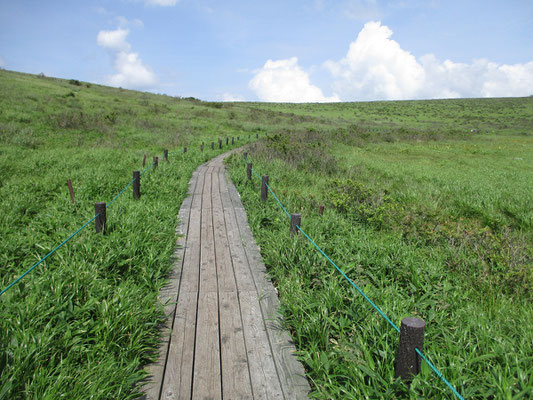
[429,218]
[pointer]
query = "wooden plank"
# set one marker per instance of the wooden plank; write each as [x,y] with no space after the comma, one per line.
[243,274]
[177,381]
[264,377]
[225,274]
[236,383]
[289,369]
[207,378]
[206,384]
[168,296]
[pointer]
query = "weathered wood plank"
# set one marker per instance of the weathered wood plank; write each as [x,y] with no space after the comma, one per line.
[168,296]
[178,376]
[264,377]
[243,274]
[289,369]
[207,382]
[225,275]
[236,382]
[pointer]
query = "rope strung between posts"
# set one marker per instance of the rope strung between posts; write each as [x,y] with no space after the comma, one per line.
[437,372]
[69,238]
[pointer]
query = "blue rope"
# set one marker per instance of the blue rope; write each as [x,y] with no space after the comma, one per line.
[366,297]
[48,255]
[279,202]
[70,237]
[439,374]
[349,280]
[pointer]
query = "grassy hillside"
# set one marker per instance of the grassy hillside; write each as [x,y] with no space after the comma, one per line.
[83,323]
[429,218]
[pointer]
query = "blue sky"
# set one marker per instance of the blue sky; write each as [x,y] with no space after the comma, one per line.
[309,50]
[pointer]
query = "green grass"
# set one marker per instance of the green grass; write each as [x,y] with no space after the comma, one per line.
[435,226]
[427,218]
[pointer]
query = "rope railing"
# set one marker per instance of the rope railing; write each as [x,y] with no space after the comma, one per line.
[392,324]
[98,214]
[69,238]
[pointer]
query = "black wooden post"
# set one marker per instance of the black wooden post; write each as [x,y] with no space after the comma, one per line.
[296,220]
[321,210]
[144,160]
[219,143]
[227,140]
[238,137]
[212,145]
[257,135]
[100,220]
[165,155]
[156,161]
[184,150]
[202,147]
[264,189]
[249,170]
[136,185]
[232,140]
[411,337]
[248,137]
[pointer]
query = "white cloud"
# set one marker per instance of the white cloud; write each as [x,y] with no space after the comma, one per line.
[376,67]
[162,3]
[285,81]
[131,72]
[232,97]
[114,40]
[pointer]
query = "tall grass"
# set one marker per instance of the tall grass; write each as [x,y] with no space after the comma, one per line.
[421,238]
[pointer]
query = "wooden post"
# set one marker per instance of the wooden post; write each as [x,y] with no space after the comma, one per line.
[227,140]
[165,155]
[296,220]
[212,145]
[248,137]
[249,170]
[232,140]
[264,189]
[144,160]
[69,184]
[219,143]
[184,150]
[321,210]
[257,135]
[136,185]
[245,155]
[411,337]
[202,147]
[101,219]
[238,137]
[156,161]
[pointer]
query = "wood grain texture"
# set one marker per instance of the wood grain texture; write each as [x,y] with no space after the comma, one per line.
[224,336]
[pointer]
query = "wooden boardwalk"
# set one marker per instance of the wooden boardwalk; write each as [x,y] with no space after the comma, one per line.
[223,339]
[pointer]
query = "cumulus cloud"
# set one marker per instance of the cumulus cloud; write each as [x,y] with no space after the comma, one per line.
[163,3]
[376,67]
[131,72]
[285,81]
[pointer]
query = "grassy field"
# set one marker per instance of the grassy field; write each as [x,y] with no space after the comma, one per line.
[429,218]
[84,322]
[434,223]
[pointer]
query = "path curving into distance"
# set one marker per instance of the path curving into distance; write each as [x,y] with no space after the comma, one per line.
[223,339]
